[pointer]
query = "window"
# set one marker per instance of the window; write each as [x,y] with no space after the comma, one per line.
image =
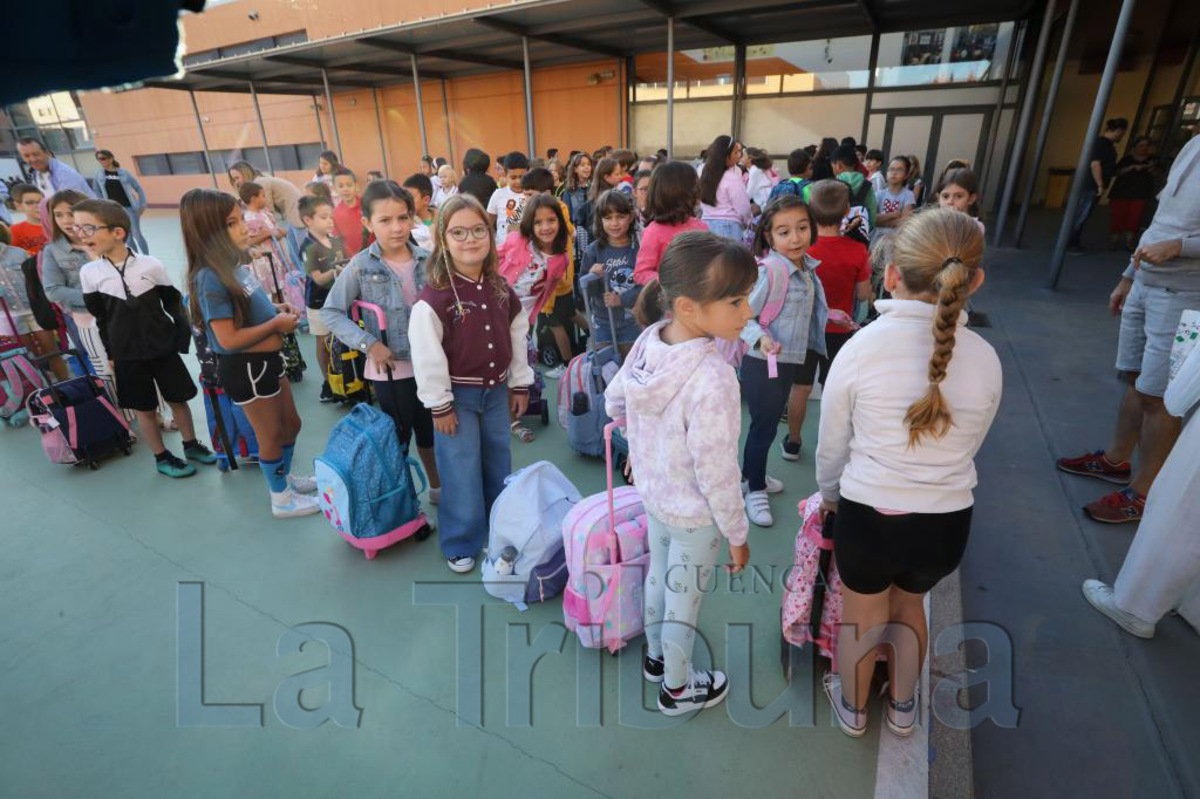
[812,66]
[283,157]
[242,48]
[150,165]
[964,54]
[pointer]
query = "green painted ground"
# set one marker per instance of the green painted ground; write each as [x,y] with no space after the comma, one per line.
[89,572]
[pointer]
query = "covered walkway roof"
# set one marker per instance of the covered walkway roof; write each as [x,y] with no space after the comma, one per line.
[564,32]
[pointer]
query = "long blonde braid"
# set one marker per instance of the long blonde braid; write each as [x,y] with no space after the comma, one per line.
[938,253]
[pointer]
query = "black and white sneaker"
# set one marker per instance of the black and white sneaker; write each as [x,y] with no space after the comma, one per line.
[653,668]
[791,449]
[327,394]
[703,689]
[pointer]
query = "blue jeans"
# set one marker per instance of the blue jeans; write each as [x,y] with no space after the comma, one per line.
[135,231]
[766,399]
[473,464]
[726,229]
[1086,204]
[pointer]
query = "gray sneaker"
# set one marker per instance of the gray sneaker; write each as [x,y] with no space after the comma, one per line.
[853,722]
[1100,595]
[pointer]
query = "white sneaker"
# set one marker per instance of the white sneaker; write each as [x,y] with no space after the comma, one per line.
[703,689]
[901,717]
[286,504]
[555,373]
[773,486]
[1100,596]
[758,508]
[461,565]
[435,496]
[302,484]
[853,722]
[815,394]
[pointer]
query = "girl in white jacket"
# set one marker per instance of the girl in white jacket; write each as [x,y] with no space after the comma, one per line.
[683,416]
[900,426]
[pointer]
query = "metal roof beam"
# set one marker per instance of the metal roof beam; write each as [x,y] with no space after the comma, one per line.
[566,41]
[350,65]
[667,11]
[470,58]
[292,79]
[865,7]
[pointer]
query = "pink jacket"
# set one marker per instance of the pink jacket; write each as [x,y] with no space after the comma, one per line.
[515,258]
[683,415]
[733,203]
[655,239]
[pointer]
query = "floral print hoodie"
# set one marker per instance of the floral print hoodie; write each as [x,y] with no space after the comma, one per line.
[683,415]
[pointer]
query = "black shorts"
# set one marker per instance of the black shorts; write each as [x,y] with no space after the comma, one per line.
[248,376]
[398,399]
[875,551]
[140,382]
[804,373]
[833,345]
[563,313]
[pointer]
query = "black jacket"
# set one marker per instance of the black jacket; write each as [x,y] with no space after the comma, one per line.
[139,312]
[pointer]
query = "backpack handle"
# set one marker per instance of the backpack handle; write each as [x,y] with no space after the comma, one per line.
[612,511]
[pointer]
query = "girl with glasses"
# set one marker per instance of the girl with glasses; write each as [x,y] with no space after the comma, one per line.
[467,335]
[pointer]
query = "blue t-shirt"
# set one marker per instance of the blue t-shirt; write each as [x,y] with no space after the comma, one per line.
[216,303]
[618,265]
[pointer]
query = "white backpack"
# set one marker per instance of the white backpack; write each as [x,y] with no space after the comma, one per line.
[527,521]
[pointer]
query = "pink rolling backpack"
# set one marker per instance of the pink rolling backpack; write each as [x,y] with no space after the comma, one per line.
[604,537]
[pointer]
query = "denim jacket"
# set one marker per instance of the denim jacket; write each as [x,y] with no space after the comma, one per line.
[64,177]
[795,330]
[369,279]
[61,263]
[133,189]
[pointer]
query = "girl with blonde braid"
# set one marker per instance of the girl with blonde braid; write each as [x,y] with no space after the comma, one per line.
[906,406]
[467,336]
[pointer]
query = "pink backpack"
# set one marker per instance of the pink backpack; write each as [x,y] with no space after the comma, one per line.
[814,586]
[734,351]
[604,538]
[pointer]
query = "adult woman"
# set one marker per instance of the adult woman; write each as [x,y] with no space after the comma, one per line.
[476,180]
[723,198]
[282,197]
[1134,185]
[327,164]
[114,183]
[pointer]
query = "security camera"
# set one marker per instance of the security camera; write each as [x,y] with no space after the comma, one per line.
[253,16]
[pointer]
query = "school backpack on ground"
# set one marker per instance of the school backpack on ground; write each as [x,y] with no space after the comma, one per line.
[581,399]
[526,561]
[364,483]
[19,379]
[78,422]
[794,187]
[734,351]
[812,596]
[604,540]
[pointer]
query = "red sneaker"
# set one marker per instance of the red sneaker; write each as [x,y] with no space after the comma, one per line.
[1118,507]
[1094,464]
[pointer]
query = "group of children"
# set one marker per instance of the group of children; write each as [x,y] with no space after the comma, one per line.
[462,287]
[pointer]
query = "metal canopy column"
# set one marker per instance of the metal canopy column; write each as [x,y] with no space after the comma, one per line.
[412,59]
[379,128]
[1039,148]
[670,87]
[203,139]
[261,127]
[1010,64]
[1033,80]
[739,89]
[1093,129]
[446,116]
[337,139]
[528,97]
[320,131]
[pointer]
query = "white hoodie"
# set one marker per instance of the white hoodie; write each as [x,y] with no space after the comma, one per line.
[683,415]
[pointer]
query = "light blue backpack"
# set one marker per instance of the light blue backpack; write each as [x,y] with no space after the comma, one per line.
[364,483]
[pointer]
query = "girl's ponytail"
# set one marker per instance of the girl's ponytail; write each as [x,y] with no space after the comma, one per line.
[954,240]
[648,308]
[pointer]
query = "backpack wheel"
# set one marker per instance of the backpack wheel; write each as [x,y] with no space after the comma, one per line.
[369,553]
[423,533]
[545,413]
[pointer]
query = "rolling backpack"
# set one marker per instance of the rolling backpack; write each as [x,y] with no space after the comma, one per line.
[364,483]
[734,351]
[581,399]
[78,422]
[228,426]
[604,541]
[526,561]
[19,378]
[293,360]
